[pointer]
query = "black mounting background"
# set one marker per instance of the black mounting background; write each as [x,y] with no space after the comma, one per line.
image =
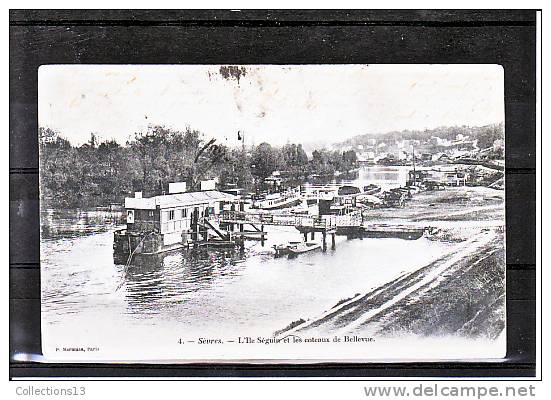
[505,37]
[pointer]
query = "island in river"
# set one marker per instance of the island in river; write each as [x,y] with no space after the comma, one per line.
[460,293]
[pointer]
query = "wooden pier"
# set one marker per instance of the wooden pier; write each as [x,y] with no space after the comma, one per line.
[305,224]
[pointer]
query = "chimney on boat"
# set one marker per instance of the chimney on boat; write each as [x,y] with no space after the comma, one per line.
[177,187]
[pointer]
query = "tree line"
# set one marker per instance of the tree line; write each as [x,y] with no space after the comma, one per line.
[486,135]
[104,172]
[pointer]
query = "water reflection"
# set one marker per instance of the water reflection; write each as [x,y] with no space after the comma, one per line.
[385,177]
[64,223]
[171,277]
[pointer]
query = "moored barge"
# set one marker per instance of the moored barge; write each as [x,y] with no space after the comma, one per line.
[276,201]
[381,231]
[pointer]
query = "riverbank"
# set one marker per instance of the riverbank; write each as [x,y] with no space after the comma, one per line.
[461,293]
[454,204]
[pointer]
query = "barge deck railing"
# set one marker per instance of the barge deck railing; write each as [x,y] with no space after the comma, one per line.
[286,219]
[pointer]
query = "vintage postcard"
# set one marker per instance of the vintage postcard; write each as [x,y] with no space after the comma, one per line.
[269,213]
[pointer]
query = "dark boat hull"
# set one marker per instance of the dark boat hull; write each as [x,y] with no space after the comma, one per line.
[224,244]
[394,233]
[144,243]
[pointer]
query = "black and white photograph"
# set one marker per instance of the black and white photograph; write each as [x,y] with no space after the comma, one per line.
[272,213]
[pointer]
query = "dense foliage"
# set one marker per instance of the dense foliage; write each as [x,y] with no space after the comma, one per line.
[100,173]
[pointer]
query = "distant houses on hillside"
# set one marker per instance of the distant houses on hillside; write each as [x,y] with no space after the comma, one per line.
[433,150]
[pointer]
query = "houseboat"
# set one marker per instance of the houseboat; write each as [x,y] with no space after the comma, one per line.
[314,193]
[167,222]
[275,201]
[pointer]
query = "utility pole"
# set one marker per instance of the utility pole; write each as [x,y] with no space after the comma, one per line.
[414,173]
[241,137]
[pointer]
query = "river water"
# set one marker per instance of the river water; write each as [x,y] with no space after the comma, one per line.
[385,177]
[207,292]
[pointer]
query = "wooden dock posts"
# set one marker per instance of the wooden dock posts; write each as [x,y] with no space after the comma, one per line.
[255,234]
[325,224]
[324,233]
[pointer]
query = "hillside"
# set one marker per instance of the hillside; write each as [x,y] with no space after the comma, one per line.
[485,135]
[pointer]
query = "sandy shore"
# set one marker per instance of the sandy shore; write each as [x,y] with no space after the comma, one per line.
[461,293]
[454,204]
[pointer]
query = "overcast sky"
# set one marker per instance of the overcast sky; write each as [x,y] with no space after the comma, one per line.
[309,103]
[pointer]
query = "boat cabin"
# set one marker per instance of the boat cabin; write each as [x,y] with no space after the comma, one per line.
[174,215]
[235,191]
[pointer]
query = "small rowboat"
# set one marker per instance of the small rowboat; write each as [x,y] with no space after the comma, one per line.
[303,247]
[283,249]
